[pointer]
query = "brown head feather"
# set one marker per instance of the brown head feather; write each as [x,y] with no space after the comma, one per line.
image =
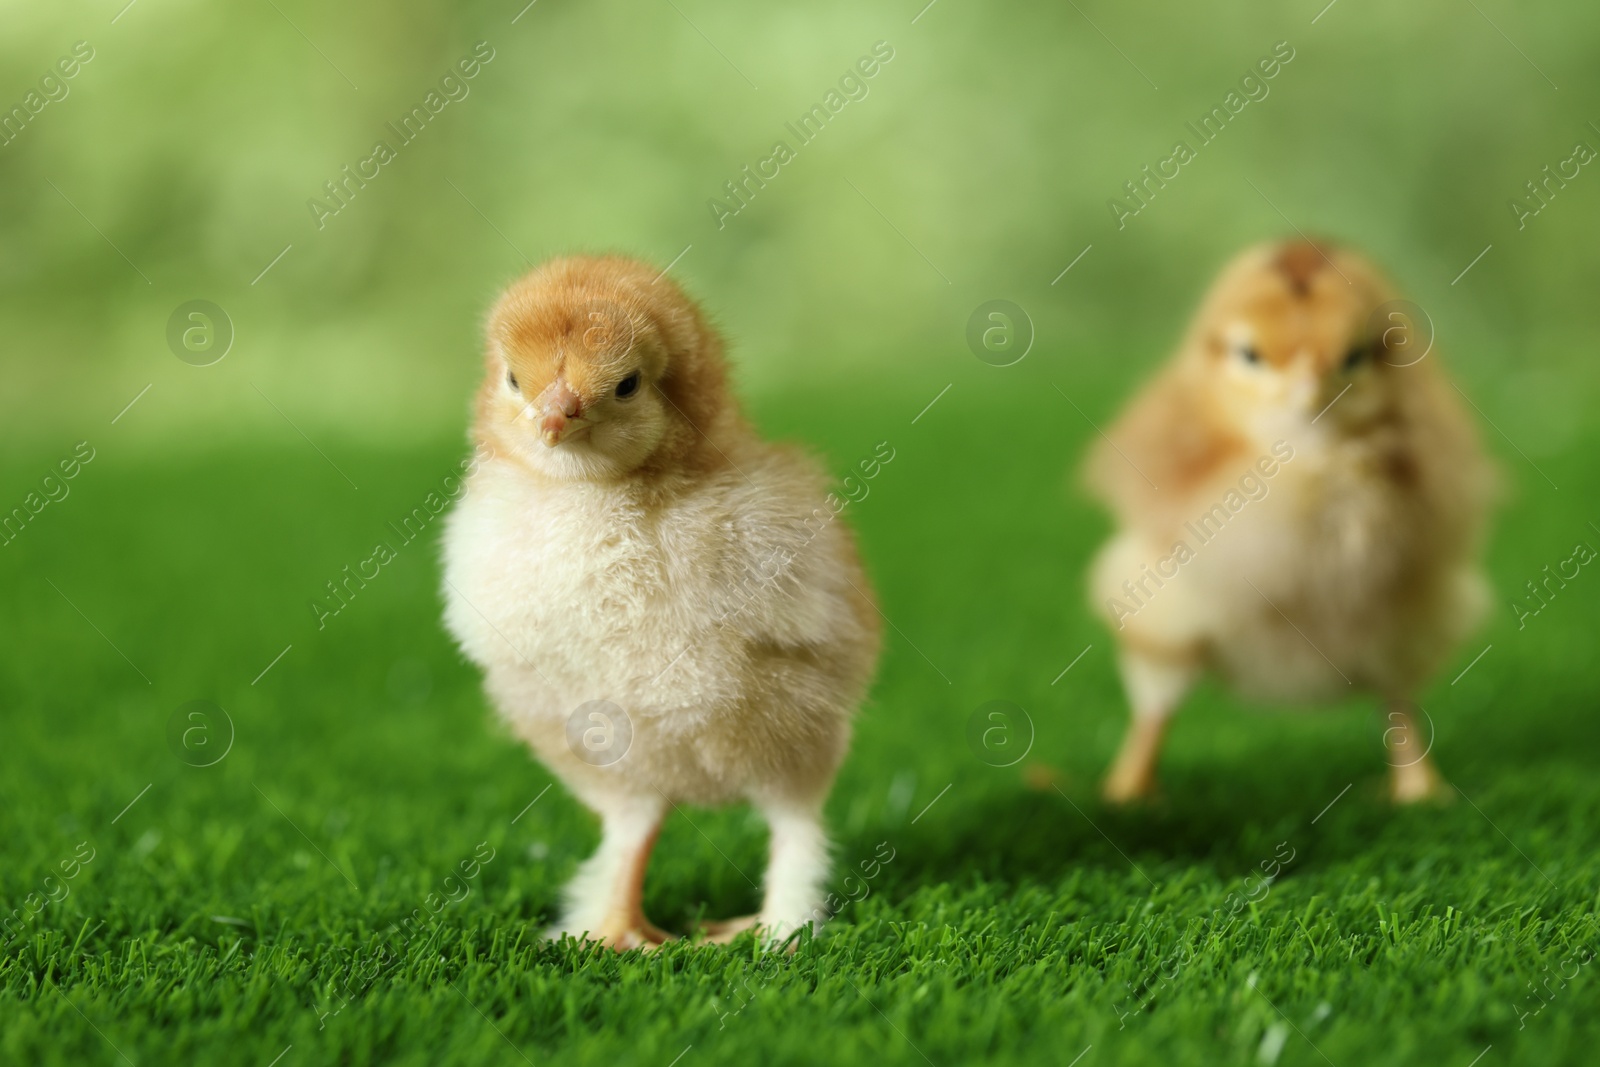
[1300,262]
[588,320]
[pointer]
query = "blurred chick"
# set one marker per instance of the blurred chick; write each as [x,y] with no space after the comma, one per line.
[631,540]
[1300,500]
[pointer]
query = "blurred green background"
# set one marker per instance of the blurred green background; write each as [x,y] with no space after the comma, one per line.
[992,142]
[227,904]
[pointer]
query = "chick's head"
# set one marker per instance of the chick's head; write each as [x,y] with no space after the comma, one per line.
[1294,333]
[598,367]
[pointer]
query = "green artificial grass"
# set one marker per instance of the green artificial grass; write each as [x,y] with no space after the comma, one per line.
[254,911]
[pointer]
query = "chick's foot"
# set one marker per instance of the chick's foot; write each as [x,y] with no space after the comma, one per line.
[631,932]
[1128,785]
[723,931]
[1133,776]
[1419,783]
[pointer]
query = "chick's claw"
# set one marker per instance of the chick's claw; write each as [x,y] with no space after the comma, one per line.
[625,931]
[643,936]
[1419,783]
[1127,786]
[725,931]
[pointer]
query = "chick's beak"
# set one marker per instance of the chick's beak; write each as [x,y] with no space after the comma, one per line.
[559,408]
[1305,387]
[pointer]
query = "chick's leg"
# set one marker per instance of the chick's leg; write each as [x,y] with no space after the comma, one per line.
[796,870]
[604,900]
[1412,776]
[1155,685]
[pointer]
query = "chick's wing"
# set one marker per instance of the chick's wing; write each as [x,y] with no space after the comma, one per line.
[1163,449]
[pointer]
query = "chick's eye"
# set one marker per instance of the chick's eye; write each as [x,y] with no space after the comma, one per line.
[628,386]
[1249,354]
[511,380]
[1356,356]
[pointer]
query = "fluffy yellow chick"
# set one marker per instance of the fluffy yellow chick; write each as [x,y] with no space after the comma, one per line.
[664,606]
[1300,500]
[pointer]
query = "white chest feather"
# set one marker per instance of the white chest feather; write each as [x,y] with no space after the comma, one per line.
[582,592]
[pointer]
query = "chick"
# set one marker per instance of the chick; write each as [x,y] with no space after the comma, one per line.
[1300,501]
[664,606]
